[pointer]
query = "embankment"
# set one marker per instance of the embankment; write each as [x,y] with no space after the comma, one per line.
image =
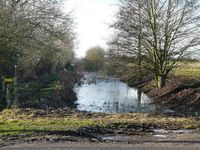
[181,94]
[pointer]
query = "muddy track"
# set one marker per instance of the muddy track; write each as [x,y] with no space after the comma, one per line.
[114,133]
[84,134]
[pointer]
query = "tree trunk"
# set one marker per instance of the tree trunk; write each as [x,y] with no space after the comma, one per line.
[160,81]
[139,96]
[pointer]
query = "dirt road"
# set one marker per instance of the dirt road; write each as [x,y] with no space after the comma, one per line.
[163,140]
[96,146]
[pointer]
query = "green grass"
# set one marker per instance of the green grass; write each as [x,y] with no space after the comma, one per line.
[187,72]
[187,69]
[16,121]
[44,124]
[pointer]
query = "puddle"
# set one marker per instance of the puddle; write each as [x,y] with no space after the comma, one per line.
[115,138]
[184,131]
[161,131]
[160,136]
[133,139]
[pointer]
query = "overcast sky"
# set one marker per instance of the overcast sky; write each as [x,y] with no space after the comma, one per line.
[92,18]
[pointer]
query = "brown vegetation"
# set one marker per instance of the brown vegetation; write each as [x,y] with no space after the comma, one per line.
[179,94]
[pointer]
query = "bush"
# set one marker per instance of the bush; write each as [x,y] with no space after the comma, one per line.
[65,94]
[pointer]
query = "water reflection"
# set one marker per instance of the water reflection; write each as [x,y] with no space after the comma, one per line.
[104,94]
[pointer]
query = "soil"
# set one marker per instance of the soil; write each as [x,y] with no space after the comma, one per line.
[179,94]
[81,137]
[84,134]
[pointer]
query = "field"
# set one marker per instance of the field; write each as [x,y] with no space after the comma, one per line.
[187,69]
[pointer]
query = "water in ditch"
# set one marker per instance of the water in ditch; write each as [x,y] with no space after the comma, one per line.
[110,95]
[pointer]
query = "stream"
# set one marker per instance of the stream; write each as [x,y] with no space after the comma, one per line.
[110,95]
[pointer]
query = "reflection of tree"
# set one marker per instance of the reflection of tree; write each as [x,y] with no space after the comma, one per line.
[117,106]
[139,98]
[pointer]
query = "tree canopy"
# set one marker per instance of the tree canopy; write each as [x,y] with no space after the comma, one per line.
[94,59]
[39,31]
[155,33]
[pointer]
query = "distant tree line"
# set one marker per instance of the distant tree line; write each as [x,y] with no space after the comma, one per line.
[94,59]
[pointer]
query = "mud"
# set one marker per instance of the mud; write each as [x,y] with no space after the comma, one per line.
[113,133]
[100,136]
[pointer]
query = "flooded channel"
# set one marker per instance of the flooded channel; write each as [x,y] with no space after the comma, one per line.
[110,95]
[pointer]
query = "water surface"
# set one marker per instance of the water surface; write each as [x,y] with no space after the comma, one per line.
[110,95]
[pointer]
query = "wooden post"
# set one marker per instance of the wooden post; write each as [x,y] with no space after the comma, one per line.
[3,84]
[15,85]
[8,97]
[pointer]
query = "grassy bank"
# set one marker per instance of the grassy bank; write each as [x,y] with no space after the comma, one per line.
[26,121]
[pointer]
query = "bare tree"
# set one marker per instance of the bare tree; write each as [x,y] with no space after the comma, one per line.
[160,32]
[39,30]
[127,42]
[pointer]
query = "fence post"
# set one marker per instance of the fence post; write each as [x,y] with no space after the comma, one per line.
[15,85]
[8,96]
[3,84]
